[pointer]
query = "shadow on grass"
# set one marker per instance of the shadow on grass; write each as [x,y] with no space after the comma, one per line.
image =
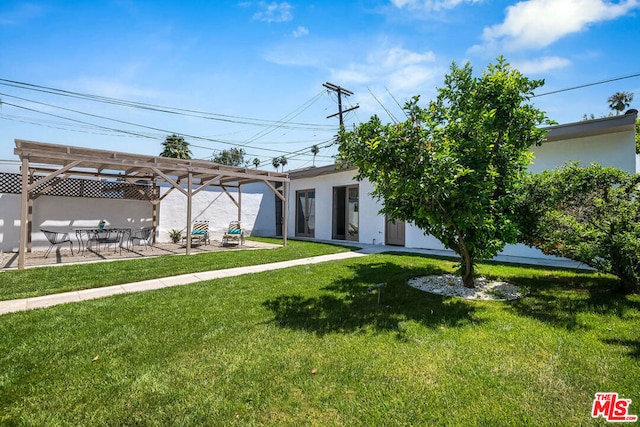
[347,307]
[559,300]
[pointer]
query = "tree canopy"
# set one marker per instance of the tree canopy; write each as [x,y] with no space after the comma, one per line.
[455,167]
[176,147]
[231,157]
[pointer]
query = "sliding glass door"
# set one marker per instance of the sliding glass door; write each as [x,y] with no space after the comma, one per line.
[305,213]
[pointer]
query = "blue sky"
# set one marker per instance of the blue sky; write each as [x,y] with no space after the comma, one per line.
[256,68]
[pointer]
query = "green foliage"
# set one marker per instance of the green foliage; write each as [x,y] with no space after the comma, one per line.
[175,235]
[231,157]
[176,147]
[588,214]
[454,168]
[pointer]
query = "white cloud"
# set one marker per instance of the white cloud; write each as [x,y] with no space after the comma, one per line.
[535,24]
[300,31]
[541,65]
[274,12]
[398,69]
[431,5]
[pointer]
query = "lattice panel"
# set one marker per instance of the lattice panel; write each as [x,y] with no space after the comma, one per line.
[10,183]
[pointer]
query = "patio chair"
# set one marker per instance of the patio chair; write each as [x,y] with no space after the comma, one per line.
[199,233]
[141,237]
[106,237]
[235,233]
[56,238]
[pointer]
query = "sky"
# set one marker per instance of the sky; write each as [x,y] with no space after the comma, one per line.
[121,75]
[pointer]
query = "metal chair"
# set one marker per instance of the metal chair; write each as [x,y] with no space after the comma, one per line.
[56,238]
[141,236]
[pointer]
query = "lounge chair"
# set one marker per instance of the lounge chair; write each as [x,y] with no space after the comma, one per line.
[235,233]
[199,233]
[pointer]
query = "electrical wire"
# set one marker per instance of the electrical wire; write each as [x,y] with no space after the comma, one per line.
[158,108]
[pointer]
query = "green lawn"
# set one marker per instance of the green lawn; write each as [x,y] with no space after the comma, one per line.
[309,346]
[50,280]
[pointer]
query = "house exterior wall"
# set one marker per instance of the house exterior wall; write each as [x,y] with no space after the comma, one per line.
[371,225]
[614,149]
[609,142]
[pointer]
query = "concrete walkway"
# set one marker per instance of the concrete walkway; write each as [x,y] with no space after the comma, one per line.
[148,285]
[185,279]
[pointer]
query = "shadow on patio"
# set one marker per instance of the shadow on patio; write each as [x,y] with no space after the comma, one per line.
[61,256]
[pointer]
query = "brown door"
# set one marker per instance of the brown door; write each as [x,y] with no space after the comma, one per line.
[395,232]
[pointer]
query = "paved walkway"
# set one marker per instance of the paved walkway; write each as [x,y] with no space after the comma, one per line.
[148,285]
[185,279]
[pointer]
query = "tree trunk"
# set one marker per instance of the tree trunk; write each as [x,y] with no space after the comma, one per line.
[467,276]
[467,264]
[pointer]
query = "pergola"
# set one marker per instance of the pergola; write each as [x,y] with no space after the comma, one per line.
[53,163]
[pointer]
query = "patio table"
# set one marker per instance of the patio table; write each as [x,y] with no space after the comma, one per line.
[107,236]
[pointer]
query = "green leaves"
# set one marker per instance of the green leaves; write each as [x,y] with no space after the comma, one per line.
[453,168]
[589,214]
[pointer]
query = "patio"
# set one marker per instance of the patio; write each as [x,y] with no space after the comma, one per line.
[62,255]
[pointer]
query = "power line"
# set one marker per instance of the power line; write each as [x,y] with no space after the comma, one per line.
[587,85]
[158,108]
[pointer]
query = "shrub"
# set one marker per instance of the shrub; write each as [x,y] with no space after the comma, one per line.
[588,214]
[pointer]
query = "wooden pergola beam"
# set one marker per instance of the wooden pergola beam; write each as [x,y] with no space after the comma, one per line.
[56,160]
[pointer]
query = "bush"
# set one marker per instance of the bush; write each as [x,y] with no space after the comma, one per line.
[588,214]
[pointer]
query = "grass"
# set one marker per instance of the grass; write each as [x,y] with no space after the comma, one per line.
[50,280]
[309,346]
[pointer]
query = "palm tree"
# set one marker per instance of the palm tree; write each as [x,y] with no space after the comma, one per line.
[176,147]
[256,162]
[276,162]
[283,162]
[315,150]
[619,101]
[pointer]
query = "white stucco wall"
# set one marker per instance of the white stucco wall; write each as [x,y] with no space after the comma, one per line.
[371,225]
[65,213]
[615,149]
[213,205]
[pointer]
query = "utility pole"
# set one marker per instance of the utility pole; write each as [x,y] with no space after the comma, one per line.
[340,91]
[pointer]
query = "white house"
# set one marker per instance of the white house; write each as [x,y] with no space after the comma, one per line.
[329,204]
[323,203]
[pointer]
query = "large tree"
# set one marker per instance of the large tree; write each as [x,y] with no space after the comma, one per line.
[175,146]
[589,214]
[619,101]
[454,168]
